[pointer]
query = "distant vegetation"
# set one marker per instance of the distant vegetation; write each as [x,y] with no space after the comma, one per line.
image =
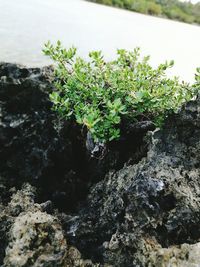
[172,9]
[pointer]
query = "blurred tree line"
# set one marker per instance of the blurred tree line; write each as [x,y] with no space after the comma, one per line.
[172,9]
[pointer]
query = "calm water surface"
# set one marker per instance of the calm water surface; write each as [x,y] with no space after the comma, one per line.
[26,24]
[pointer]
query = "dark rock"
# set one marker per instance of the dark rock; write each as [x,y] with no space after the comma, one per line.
[144,212]
[36,146]
[32,145]
[158,198]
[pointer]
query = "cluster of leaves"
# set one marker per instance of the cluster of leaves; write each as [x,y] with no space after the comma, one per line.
[197,81]
[99,94]
[172,9]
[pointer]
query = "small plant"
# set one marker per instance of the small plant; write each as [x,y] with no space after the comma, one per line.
[99,94]
[197,79]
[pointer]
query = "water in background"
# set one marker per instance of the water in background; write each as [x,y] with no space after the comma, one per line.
[26,24]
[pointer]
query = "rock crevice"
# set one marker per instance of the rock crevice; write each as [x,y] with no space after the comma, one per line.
[138,205]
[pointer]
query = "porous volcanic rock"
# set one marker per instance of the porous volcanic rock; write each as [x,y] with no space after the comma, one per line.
[157,200]
[185,255]
[33,237]
[32,145]
[39,147]
[145,213]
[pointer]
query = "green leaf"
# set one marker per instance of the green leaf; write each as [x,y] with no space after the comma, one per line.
[99,94]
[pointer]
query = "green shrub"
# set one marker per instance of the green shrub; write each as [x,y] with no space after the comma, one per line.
[139,6]
[197,80]
[154,9]
[99,94]
[178,14]
[106,2]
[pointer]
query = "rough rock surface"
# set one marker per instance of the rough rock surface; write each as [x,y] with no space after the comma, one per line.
[36,146]
[31,148]
[157,200]
[184,255]
[35,238]
[145,213]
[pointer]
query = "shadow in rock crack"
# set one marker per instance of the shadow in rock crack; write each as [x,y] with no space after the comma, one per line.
[51,155]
